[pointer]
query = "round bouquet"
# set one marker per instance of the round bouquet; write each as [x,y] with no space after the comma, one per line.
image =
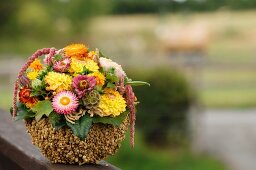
[77,103]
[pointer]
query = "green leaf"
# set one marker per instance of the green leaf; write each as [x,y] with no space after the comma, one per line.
[86,71]
[81,127]
[138,83]
[23,112]
[116,121]
[111,76]
[110,85]
[59,125]
[102,55]
[42,108]
[99,89]
[11,110]
[126,79]
[56,120]
[44,73]
[39,89]
[58,57]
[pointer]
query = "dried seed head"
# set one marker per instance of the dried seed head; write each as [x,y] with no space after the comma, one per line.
[91,99]
[74,116]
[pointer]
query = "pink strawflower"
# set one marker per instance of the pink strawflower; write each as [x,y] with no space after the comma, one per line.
[65,102]
[82,84]
[62,66]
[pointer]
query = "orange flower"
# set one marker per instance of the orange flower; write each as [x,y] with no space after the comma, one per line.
[79,51]
[92,54]
[99,77]
[36,65]
[32,102]
[26,98]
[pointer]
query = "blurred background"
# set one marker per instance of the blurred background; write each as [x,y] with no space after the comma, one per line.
[198,55]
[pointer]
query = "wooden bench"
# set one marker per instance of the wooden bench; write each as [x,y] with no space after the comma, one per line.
[18,153]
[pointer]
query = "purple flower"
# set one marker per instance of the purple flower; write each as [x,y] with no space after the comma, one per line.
[82,84]
[62,66]
[24,81]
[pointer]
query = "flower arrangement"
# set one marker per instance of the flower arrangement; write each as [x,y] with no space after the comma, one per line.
[70,95]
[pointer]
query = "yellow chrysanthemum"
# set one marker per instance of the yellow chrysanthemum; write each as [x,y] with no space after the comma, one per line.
[112,103]
[36,65]
[99,77]
[91,65]
[76,50]
[58,81]
[91,54]
[77,66]
[32,75]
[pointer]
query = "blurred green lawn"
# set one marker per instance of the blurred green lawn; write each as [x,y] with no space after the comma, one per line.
[143,157]
[228,88]
[5,99]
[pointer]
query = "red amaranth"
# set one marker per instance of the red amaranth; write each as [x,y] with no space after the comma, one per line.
[130,100]
[38,53]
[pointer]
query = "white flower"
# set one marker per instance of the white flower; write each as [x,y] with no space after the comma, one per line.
[108,64]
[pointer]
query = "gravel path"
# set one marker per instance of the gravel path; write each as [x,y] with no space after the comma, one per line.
[228,134]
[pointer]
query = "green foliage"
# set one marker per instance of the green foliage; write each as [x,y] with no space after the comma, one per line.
[86,71]
[111,85]
[164,106]
[148,6]
[23,112]
[58,57]
[32,18]
[44,73]
[36,91]
[101,54]
[116,121]
[111,76]
[99,89]
[138,83]
[37,84]
[144,157]
[57,120]
[42,108]
[8,11]
[81,126]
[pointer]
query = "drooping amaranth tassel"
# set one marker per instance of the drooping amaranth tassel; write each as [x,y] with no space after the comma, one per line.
[130,100]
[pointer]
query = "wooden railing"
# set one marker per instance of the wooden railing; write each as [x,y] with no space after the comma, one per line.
[18,153]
